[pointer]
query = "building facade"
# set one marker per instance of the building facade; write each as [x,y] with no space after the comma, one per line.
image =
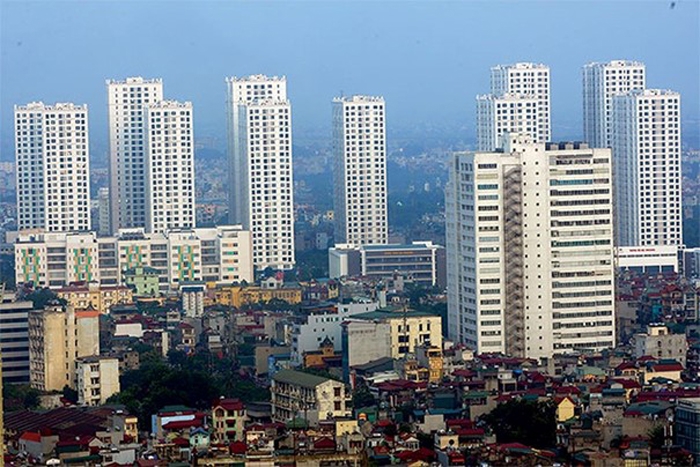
[659,342]
[506,113]
[646,144]
[228,417]
[52,167]
[127,101]
[170,200]
[687,425]
[359,170]
[296,394]
[601,81]
[58,336]
[420,262]
[530,249]
[216,254]
[311,330]
[261,197]
[97,379]
[14,347]
[93,295]
[405,331]
[519,101]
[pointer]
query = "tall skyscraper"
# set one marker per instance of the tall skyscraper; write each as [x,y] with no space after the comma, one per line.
[169,177]
[646,145]
[601,81]
[519,102]
[530,248]
[507,113]
[359,170]
[127,161]
[260,170]
[53,167]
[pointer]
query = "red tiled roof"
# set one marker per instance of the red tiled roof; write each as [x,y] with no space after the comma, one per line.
[237,447]
[627,383]
[179,425]
[324,443]
[180,441]
[657,367]
[31,436]
[229,404]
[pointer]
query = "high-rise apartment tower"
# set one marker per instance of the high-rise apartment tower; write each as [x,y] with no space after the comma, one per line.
[260,167]
[646,148]
[127,100]
[359,170]
[601,81]
[519,102]
[53,167]
[170,200]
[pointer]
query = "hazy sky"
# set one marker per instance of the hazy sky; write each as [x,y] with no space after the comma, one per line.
[427,58]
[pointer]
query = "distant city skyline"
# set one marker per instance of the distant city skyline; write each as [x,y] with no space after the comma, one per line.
[428,60]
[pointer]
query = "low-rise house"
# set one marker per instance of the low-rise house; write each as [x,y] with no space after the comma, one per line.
[316,398]
[228,417]
[667,369]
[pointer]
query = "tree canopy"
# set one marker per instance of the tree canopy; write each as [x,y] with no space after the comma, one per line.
[528,422]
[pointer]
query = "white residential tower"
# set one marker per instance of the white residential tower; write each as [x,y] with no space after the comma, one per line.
[601,81]
[53,167]
[359,170]
[169,149]
[646,146]
[260,171]
[127,100]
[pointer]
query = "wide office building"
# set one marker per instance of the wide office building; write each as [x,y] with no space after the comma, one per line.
[530,249]
[420,262]
[14,345]
[216,254]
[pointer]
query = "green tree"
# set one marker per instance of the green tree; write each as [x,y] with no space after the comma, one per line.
[657,436]
[70,394]
[362,397]
[527,422]
[19,397]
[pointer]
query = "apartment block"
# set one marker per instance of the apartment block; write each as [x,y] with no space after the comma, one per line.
[95,296]
[97,379]
[127,100]
[530,248]
[646,148]
[58,337]
[52,167]
[216,254]
[297,394]
[602,81]
[359,170]
[261,197]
